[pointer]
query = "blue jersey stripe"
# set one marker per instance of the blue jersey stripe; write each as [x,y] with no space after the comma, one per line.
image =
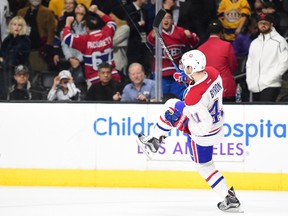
[87,60]
[68,39]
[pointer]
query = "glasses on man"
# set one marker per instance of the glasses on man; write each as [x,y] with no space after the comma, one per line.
[22,74]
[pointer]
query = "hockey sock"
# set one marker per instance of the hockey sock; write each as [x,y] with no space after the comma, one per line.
[213,177]
[162,128]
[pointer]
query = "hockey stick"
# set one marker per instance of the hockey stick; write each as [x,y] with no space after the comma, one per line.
[158,19]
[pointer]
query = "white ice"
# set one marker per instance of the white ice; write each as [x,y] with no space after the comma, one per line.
[71,201]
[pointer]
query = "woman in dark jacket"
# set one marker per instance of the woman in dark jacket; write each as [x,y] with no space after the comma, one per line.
[14,51]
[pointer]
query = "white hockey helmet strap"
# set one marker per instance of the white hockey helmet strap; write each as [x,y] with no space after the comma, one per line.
[194,59]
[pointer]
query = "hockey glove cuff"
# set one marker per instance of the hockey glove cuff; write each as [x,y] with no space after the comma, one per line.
[176,119]
[181,78]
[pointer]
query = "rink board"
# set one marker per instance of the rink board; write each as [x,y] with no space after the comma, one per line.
[137,179]
[94,145]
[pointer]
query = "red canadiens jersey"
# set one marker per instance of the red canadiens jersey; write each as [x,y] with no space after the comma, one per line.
[96,47]
[175,41]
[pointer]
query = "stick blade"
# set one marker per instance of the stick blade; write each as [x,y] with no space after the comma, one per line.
[159,16]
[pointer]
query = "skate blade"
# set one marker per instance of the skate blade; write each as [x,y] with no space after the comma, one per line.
[234,210]
[149,154]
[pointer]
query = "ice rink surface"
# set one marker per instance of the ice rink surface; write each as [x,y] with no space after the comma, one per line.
[70,201]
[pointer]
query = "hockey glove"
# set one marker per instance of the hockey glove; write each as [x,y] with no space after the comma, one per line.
[176,119]
[181,78]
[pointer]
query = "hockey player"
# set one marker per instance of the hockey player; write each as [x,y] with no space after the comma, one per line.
[96,46]
[200,115]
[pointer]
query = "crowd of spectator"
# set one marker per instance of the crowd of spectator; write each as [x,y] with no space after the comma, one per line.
[93,50]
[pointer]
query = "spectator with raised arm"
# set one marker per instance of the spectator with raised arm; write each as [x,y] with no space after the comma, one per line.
[176,39]
[73,58]
[69,7]
[96,46]
[58,6]
[63,88]
[173,7]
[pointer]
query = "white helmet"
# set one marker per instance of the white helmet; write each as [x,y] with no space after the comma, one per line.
[195,59]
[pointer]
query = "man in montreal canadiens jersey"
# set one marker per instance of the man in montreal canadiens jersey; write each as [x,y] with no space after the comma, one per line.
[96,46]
[200,115]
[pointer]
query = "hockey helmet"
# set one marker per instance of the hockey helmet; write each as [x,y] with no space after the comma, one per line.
[194,59]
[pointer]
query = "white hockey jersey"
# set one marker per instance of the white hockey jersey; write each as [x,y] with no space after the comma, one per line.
[204,108]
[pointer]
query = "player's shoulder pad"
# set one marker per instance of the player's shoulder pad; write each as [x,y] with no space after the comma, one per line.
[195,93]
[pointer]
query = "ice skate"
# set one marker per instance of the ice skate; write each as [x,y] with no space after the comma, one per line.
[149,145]
[230,203]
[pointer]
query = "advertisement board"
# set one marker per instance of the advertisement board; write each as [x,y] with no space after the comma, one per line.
[102,137]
